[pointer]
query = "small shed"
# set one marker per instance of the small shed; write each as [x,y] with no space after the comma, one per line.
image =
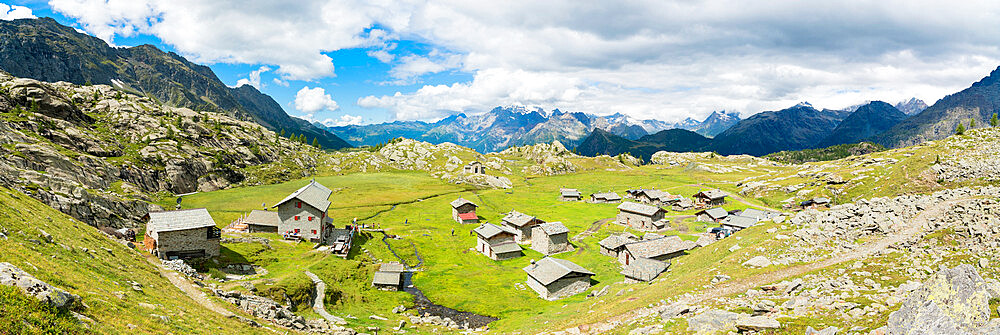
[259,221]
[522,225]
[682,204]
[661,249]
[550,238]
[815,203]
[496,242]
[643,270]
[641,217]
[464,211]
[555,278]
[569,194]
[759,215]
[188,233]
[389,277]
[738,222]
[710,198]
[716,214]
[475,167]
[614,244]
[605,197]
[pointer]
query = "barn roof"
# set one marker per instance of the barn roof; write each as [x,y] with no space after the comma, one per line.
[503,248]
[638,208]
[615,241]
[550,269]
[488,230]
[658,247]
[715,213]
[461,201]
[391,267]
[739,221]
[387,278]
[821,200]
[758,214]
[314,194]
[179,220]
[262,218]
[713,194]
[553,228]
[644,269]
[569,192]
[518,219]
[610,196]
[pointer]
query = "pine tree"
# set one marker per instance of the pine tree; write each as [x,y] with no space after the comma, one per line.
[282,132]
[960,130]
[972,123]
[315,142]
[993,120]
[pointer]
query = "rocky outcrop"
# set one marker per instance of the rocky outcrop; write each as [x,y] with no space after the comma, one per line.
[272,311]
[952,301]
[96,153]
[11,275]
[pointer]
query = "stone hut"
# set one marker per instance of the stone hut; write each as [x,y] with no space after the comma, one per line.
[815,203]
[259,221]
[496,242]
[641,217]
[643,270]
[389,277]
[736,223]
[550,238]
[661,249]
[303,213]
[475,168]
[614,244]
[712,215]
[605,197]
[464,211]
[710,198]
[569,194]
[555,278]
[682,204]
[179,234]
[522,224]
[759,215]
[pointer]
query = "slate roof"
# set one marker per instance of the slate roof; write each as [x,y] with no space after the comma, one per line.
[504,248]
[758,214]
[549,269]
[615,241]
[716,213]
[553,228]
[644,269]
[461,201]
[569,192]
[179,220]
[713,194]
[739,221]
[638,208]
[488,230]
[387,278]
[314,194]
[263,218]
[609,196]
[657,194]
[821,200]
[518,219]
[658,247]
[391,267]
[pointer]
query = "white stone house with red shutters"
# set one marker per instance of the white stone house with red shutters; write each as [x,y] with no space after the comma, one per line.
[302,214]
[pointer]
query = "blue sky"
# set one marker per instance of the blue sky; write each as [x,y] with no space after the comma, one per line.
[363,61]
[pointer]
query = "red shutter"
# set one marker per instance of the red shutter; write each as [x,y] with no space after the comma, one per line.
[314,231]
[296,230]
[310,218]
[296,219]
[298,204]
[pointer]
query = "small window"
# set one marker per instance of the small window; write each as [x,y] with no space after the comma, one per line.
[296,218]
[298,204]
[314,231]
[296,230]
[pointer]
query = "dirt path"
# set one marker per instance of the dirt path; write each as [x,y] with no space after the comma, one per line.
[318,301]
[736,286]
[594,227]
[185,286]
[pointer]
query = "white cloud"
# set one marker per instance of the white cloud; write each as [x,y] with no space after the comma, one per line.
[344,120]
[280,82]
[253,79]
[14,12]
[664,59]
[312,100]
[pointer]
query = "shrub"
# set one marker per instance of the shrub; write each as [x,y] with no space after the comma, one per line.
[216,273]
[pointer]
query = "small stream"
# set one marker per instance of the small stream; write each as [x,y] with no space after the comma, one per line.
[426,307]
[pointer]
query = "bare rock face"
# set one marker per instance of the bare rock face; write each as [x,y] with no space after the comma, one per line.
[952,301]
[11,275]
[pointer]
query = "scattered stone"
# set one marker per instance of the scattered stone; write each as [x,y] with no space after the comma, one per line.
[952,301]
[44,236]
[376,317]
[827,331]
[758,262]
[674,310]
[713,321]
[11,275]
[734,248]
[720,278]
[399,309]
[757,323]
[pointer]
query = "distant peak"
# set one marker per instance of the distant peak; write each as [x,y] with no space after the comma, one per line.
[803,104]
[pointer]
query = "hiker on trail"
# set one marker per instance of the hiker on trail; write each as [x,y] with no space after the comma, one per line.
[406,221]
[452,231]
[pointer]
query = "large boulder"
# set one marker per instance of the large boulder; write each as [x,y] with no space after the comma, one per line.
[952,301]
[11,275]
[758,262]
[714,321]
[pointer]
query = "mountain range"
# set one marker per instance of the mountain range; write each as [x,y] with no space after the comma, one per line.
[45,50]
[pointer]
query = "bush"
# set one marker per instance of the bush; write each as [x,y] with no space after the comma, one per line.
[297,288]
[215,273]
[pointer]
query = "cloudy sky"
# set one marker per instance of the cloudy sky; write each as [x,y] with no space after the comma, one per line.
[368,61]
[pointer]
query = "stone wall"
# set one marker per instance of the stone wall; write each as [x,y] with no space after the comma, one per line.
[638,221]
[568,286]
[549,244]
[185,240]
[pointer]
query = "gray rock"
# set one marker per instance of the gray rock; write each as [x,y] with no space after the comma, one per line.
[45,236]
[827,331]
[952,301]
[758,262]
[11,275]
[713,321]
[674,310]
[757,323]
